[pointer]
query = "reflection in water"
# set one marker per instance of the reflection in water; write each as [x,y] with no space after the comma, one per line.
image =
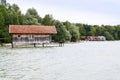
[80,61]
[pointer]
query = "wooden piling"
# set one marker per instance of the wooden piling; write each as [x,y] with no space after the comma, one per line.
[61,44]
[43,44]
[12,45]
[34,44]
[12,42]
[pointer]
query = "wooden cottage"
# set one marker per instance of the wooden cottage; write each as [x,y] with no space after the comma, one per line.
[31,34]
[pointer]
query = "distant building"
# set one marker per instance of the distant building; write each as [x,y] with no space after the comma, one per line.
[31,34]
[93,38]
[102,38]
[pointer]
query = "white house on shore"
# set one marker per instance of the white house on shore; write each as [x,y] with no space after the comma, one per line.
[31,34]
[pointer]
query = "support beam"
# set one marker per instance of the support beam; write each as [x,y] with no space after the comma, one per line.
[61,44]
[12,45]
[12,42]
[43,44]
[34,44]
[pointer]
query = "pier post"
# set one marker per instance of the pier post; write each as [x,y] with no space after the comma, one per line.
[43,44]
[12,42]
[61,44]
[12,45]
[34,44]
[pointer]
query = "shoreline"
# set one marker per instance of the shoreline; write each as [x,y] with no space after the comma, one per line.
[55,43]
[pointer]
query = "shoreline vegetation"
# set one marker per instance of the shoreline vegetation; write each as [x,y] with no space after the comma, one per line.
[10,14]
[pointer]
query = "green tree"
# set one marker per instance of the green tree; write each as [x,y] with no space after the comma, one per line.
[17,12]
[5,14]
[1,27]
[108,36]
[75,35]
[4,22]
[1,20]
[67,25]
[31,20]
[82,30]
[32,12]
[117,32]
[14,14]
[87,28]
[67,35]
[48,20]
[92,31]
[31,17]
[62,33]
[100,30]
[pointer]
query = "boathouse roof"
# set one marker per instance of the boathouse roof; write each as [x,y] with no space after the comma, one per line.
[32,29]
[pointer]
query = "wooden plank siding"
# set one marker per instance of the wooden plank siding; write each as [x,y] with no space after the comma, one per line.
[31,34]
[35,39]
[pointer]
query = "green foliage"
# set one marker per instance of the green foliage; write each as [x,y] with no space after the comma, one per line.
[117,32]
[81,28]
[100,30]
[67,35]
[4,21]
[67,25]
[5,14]
[32,17]
[62,34]
[1,20]
[108,36]
[48,20]
[92,31]
[74,33]
[29,20]
[14,13]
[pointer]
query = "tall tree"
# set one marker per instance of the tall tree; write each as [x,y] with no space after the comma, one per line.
[14,13]
[92,31]
[75,35]
[5,14]
[4,22]
[108,36]
[82,30]
[31,17]
[48,20]
[99,30]
[67,25]
[62,33]
[1,21]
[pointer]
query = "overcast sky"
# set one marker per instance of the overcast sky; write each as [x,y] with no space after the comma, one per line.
[98,12]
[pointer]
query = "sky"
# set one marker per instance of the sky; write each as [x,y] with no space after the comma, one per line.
[93,12]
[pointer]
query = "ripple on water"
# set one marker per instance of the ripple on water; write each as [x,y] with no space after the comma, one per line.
[79,61]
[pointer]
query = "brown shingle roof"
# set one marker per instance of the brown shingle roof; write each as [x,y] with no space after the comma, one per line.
[32,29]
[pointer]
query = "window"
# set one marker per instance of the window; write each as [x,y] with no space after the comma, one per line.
[19,35]
[31,36]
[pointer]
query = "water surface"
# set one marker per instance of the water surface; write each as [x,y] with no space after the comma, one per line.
[79,61]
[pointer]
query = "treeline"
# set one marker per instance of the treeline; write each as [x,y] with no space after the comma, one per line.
[66,31]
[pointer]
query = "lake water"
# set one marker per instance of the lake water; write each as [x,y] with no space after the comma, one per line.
[78,61]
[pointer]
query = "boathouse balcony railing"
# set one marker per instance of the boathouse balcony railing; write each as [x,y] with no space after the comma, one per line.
[32,40]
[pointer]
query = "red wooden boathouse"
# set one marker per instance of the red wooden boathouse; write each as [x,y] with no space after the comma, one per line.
[31,34]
